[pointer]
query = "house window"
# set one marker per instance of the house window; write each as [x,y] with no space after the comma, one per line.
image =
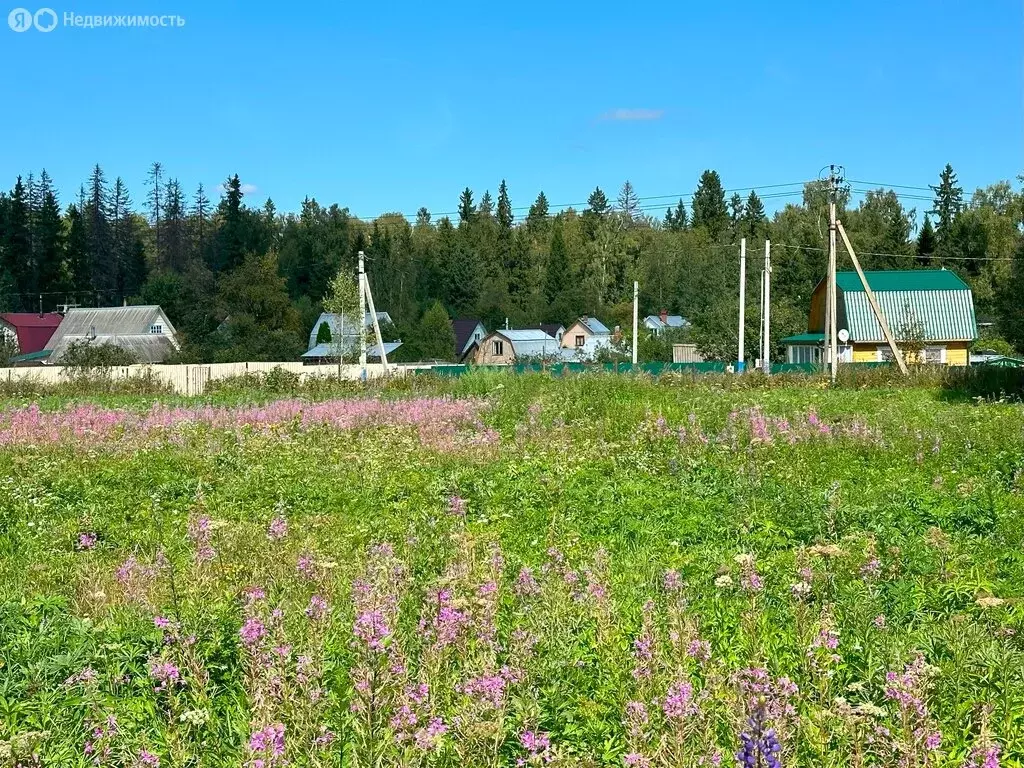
[497,348]
[885,354]
[805,353]
[580,341]
[935,355]
[156,328]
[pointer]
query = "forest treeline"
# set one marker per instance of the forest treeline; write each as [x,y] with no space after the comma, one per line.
[246,282]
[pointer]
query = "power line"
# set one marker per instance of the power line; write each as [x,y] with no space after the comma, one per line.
[899,255]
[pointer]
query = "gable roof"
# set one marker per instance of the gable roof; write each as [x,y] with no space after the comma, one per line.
[671,321]
[32,329]
[593,325]
[464,328]
[527,342]
[935,301]
[902,280]
[331,351]
[552,329]
[334,323]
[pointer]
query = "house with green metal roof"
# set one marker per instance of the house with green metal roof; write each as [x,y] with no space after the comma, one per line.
[929,311]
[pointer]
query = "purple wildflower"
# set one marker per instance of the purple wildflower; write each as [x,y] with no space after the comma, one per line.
[456,506]
[252,631]
[86,541]
[526,584]
[164,673]
[278,528]
[317,608]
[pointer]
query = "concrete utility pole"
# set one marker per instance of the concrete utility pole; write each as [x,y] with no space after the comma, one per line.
[636,312]
[875,308]
[376,326]
[831,322]
[766,346]
[361,319]
[741,357]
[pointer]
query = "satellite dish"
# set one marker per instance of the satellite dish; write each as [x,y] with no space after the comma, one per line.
[844,335]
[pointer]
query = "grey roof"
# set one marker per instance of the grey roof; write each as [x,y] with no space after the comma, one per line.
[594,325]
[671,321]
[334,323]
[330,350]
[526,334]
[530,342]
[125,327]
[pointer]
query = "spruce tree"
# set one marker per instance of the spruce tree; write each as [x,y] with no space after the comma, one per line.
[537,216]
[596,211]
[231,237]
[175,241]
[17,243]
[49,238]
[504,215]
[435,337]
[709,209]
[754,218]
[926,242]
[77,252]
[102,266]
[154,204]
[949,201]
[675,220]
[486,207]
[422,217]
[466,208]
[628,204]
[200,215]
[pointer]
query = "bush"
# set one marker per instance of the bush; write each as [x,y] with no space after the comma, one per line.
[84,356]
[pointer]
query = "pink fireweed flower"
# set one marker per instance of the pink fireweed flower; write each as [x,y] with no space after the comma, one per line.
[933,741]
[486,689]
[372,628]
[699,650]
[636,760]
[164,673]
[147,758]
[428,739]
[267,745]
[252,631]
[306,566]
[456,506]
[637,718]
[253,595]
[679,702]
[672,582]
[317,608]
[86,541]
[200,531]
[871,569]
[162,623]
[526,584]
[278,528]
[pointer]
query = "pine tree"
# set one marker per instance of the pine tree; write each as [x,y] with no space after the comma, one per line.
[466,208]
[949,201]
[709,209]
[505,217]
[926,242]
[537,216]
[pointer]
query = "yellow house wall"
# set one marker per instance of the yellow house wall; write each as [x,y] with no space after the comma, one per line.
[956,353]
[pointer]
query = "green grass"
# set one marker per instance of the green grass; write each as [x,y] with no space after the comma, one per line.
[936,493]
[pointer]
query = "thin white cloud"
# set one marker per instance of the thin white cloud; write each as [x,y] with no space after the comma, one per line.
[247,189]
[633,114]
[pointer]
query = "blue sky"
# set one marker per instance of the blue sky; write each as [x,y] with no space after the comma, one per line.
[390,106]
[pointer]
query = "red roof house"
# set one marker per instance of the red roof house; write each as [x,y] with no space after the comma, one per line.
[31,329]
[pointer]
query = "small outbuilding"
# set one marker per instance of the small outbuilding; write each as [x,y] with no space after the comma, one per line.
[509,346]
[30,331]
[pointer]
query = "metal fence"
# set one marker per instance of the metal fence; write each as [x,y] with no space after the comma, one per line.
[192,379]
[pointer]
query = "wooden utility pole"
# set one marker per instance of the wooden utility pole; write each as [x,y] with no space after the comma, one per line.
[636,313]
[740,357]
[877,310]
[766,358]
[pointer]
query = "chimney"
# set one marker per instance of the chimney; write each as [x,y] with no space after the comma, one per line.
[663,316]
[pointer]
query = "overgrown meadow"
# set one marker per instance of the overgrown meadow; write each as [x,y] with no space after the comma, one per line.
[501,570]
